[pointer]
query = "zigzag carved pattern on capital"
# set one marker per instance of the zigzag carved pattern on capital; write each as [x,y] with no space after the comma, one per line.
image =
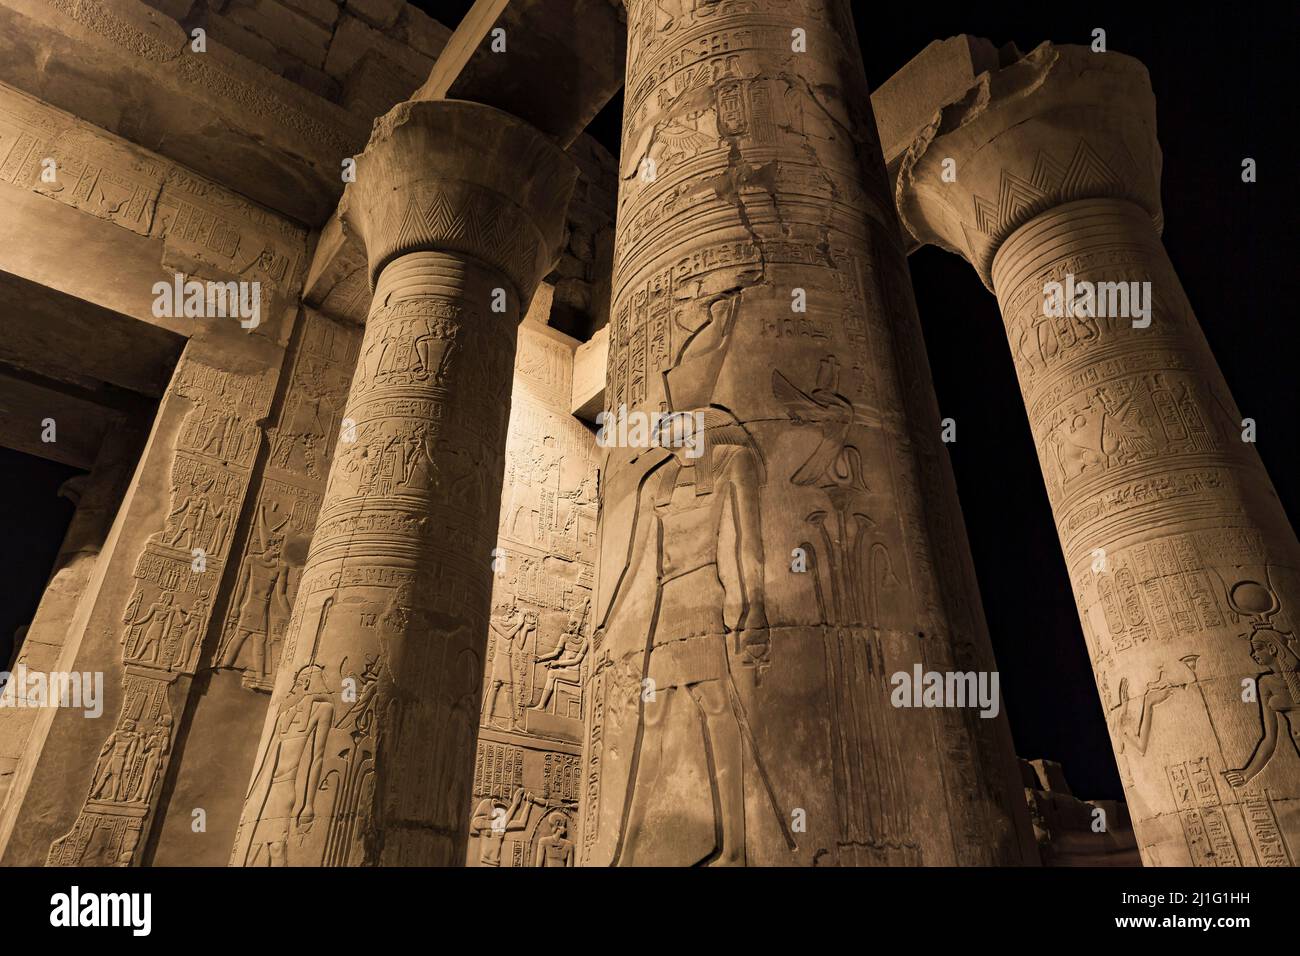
[480,223]
[1051,183]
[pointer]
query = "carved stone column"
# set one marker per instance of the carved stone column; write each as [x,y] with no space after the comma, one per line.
[1183,562]
[761,583]
[368,748]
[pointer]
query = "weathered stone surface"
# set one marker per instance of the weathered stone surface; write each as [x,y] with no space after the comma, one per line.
[373,86]
[732,693]
[353,39]
[324,12]
[247,637]
[131,70]
[396,508]
[589,363]
[421,32]
[380,13]
[289,31]
[97,496]
[380,681]
[1072,832]
[528,766]
[576,44]
[86,791]
[1185,568]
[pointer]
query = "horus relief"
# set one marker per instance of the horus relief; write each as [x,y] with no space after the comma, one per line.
[165,620]
[538,656]
[690,711]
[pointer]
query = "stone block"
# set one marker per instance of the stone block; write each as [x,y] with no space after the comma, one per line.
[421,32]
[318,81]
[245,43]
[353,40]
[284,28]
[374,86]
[589,376]
[379,13]
[1051,776]
[935,77]
[325,12]
[176,9]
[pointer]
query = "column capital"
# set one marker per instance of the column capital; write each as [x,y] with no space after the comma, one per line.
[1060,124]
[455,176]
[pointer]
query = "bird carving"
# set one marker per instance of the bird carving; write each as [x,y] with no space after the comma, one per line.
[833,414]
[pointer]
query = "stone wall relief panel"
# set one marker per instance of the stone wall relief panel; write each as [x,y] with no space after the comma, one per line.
[525,806]
[1163,687]
[811,465]
[301,446]
[379,654]
[169,606]
[539,656]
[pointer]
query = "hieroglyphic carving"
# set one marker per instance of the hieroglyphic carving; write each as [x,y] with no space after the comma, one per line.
[288,499]
[743,183]
[389,628]
[1173,538]
[400,518]
[163,624]
[205,228]
[538,637]
[210,73]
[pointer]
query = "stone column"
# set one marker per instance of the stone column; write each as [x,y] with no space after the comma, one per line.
[794,540]
[1182,559]
[368,747]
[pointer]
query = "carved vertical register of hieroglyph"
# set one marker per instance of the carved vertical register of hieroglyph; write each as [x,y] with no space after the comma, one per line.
[527,770]
[760,585]
[1183,562]
[368,748]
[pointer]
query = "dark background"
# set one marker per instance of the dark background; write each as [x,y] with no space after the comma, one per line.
[33,519]
[1224,85]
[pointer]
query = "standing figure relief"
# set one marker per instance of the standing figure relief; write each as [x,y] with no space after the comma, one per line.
[690,650]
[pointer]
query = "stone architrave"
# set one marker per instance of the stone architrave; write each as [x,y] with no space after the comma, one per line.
[763,580]
[1183,562]
[368,747]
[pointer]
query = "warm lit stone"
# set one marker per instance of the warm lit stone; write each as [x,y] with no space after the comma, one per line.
[760,585]
[369,742]
[1183,562]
